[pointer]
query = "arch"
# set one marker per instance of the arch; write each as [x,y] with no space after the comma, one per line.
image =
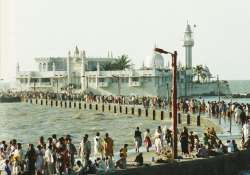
[44,66]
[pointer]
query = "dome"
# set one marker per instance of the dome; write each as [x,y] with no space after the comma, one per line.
[154,61]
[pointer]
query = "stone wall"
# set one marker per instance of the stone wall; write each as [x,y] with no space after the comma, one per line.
[230,164]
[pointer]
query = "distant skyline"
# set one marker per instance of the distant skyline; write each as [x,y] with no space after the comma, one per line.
[43,28]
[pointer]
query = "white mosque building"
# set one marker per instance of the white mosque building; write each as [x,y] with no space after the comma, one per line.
[79,73]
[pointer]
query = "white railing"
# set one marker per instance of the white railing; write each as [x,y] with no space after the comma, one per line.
[135,83]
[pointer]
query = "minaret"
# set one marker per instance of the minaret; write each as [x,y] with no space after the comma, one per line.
[76,53]
[83,57]
[68,67]
[188,44]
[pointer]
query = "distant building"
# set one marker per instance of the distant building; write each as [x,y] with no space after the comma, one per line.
[80,73]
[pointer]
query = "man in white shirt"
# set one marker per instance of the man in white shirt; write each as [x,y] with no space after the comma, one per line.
[85,150]
[49,161]
[246,130]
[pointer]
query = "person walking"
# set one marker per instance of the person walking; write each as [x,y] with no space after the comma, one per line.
[71,152]
[138,139]
[246,131]
[39,160]
[49,161]
[184,142]
[108,146]
[147,140]
[98,146]
[85,150]
[31,159]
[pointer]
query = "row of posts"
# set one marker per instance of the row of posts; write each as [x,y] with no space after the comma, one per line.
[115,109]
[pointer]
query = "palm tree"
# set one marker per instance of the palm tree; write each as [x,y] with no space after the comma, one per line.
[120,64]
[198,71]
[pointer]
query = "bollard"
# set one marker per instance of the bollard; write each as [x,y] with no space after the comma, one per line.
[30,100]
[162,115]
[170,114]
[61,104]
[46,102]
[146,112]
[126,110]
[109,107]
[65,104]
[80,105]
[41,102]
[114,108]
[56,103]
[69,104]
[179,118]
[74,104]
[153,114]
[51,103]
[103,108]
[96,106]
[139,111]
[198,120]
[188,119]
[27,101]
[36,100]
[132,111]
[120,109]
[90,106]
[85,106]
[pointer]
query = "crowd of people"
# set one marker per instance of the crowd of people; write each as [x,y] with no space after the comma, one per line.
[56,156]
[61,156]
[191,105]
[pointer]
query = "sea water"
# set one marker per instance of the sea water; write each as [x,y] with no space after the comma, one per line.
[26,123]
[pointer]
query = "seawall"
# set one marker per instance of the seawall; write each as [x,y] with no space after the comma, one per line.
[230,164]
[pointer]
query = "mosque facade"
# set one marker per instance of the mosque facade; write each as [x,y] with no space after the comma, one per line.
[81,73]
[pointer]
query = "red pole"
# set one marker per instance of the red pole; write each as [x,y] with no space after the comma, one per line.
[174,103]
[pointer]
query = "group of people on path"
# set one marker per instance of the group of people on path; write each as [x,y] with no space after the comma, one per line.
[55,156]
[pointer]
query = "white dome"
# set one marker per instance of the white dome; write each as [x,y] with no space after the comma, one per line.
[154,61]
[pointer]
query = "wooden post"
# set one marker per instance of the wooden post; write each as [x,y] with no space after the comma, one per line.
[162,115]
[188,119]
[179,118]
[153,114]
[198,120]
[139,111]
[103,107]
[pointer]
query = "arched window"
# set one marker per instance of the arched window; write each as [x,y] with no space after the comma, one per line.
[44,66]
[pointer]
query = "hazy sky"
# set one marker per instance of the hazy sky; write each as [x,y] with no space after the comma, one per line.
[33,28]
